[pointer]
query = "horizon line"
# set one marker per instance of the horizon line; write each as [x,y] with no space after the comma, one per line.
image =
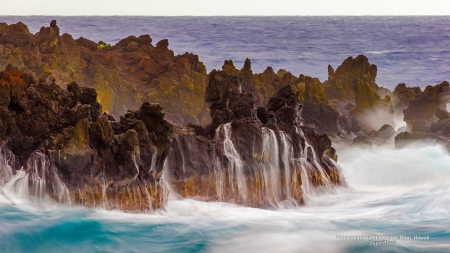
[138,15]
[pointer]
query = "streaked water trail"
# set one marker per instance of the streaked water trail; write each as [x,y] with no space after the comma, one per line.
[397,192]
[235,166]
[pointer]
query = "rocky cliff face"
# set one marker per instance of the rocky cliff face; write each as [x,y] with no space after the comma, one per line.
[423,106]
[353,92]
[345,106]
[134,70]
[256,156]
[124,74]
[70,150]
[425,113]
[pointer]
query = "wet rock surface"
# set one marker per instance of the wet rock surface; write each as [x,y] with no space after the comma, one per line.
[63,141]
[100,161]
[255,156]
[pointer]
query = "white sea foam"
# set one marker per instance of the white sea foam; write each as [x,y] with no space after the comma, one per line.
[390,192]
[393,51]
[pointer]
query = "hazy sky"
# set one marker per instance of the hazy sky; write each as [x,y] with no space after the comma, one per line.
[225,7]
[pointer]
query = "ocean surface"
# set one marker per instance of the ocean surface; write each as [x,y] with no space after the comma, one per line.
[392,195]
[396,196]
[411,50]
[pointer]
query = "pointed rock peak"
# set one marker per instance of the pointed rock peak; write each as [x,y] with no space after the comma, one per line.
[287,78]
[285,97]
[54,27]
[163,43]
[281,72]
[247,72]
[400,86]
[435,90]
[89,44]
[17,35]
[269,71]
[229,68]
[355,68]
[151,108]
[228,64]
[247,65]
[362,58]
[330,72]
[20,27]
[102,44]
[145,39]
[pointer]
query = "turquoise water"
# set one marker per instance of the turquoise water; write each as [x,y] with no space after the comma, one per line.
[390,193]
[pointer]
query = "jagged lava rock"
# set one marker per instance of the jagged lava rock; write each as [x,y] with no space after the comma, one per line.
[61,136]
[124,74]
[255,156]
[422,107]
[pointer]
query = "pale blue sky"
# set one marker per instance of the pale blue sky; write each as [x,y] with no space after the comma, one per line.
[225,7]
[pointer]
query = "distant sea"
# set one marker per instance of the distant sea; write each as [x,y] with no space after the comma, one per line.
[411,50]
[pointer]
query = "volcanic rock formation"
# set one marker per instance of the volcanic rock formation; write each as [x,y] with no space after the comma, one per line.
[425,113]
[124,74]
[257,139]
[75,153]
[68,148]
[256,156]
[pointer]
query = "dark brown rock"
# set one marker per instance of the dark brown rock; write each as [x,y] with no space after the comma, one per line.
[123,78]
[203,163]
[422,109]
[88,153]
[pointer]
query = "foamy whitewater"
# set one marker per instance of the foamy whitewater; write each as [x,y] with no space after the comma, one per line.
[396,196]
[391,193]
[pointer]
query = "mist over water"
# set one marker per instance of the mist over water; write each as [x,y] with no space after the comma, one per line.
[391,192]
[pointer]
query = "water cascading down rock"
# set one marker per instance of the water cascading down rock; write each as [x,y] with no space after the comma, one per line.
[260,157]
[57,145]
